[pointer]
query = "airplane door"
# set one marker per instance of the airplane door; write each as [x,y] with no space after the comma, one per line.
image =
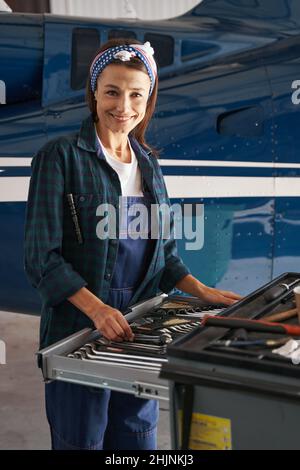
[215,125]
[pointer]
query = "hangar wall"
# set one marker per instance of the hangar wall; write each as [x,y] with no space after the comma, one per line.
[144,9]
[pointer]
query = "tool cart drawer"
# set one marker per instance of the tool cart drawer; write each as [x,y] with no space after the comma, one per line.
[87,358]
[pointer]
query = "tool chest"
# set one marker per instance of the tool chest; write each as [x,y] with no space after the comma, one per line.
[228,390]
[133,367]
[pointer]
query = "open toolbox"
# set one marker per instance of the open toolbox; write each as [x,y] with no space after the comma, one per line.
[87,358]
[229,386]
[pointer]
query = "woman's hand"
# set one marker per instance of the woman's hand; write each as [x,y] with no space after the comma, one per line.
[216,296]
[191,285]
[112,324]
[108,320]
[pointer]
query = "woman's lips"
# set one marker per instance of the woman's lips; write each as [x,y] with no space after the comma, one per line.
[121,118]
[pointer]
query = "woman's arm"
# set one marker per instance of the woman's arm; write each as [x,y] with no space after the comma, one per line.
[47,270]
[191,285]
[108,320]
[177,274]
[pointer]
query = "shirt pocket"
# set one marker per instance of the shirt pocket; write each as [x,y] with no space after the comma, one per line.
[85,200]
[86,205]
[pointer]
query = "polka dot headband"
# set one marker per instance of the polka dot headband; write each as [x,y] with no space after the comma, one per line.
[124,53]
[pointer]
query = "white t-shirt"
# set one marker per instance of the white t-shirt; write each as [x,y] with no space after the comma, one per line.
[129,173]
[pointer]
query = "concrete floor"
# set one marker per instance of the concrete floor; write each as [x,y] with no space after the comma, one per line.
[22,417]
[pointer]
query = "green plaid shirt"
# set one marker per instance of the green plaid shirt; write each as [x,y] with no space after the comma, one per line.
[55,263]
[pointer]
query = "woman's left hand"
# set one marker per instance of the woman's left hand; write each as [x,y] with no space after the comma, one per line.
[193,286]
[216,296]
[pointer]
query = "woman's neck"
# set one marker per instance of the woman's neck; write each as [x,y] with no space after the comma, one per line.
[116,144]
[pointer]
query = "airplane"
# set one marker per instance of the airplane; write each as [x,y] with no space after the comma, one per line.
[227,125]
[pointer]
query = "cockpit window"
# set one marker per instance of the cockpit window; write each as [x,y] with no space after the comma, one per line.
[191,49]
[85,43]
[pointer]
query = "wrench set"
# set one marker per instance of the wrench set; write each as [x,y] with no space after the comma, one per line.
[171,341]
[133,367]
[152,334]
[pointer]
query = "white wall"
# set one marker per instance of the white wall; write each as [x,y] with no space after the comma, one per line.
[4,6]
[144,9]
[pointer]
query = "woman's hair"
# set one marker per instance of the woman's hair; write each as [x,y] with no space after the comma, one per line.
[139,131]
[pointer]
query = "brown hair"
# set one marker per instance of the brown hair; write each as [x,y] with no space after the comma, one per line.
[139,131]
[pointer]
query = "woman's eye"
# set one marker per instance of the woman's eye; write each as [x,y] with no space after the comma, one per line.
[114,93]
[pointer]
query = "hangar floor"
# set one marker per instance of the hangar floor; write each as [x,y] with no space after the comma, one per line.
[22,417]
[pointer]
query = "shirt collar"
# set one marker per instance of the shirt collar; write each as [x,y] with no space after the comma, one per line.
[86,137]
[87,140]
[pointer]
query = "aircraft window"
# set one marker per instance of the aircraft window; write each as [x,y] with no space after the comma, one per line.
[85,43]
[243,122]
[163,46]
[195,49]
[121,33]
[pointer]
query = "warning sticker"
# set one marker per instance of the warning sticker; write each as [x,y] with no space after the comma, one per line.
[209,432]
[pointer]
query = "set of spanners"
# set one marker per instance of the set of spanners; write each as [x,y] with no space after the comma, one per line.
[90,352]
[152,334]
[181,329]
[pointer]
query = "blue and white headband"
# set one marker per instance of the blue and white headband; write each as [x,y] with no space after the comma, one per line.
[125,52]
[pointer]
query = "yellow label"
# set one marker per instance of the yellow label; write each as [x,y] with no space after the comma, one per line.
[209,432]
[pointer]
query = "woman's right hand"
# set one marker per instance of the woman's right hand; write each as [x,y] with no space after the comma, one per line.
[112,324]
[108,320]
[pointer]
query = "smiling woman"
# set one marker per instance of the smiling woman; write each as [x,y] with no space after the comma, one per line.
[143,97]
[87,280]
[121,103]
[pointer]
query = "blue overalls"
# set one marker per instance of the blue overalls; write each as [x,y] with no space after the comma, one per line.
[83,417]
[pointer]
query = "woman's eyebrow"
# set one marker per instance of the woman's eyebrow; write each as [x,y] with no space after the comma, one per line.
[117,88]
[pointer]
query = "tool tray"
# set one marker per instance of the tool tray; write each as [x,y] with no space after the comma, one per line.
[195,358]
[87,358]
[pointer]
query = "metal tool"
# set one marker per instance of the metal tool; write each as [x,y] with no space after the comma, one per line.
[105,352]
[164,338]
[134,346]
[90,354]
[276,291]
[269,343]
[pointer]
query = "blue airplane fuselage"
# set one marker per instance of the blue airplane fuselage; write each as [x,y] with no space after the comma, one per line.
[227,125]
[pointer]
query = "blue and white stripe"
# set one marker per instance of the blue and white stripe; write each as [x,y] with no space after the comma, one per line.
[14,188]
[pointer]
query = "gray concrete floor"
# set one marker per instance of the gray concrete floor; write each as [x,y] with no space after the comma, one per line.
[22,417]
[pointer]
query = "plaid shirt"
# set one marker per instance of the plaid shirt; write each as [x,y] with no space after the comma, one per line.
[55,263]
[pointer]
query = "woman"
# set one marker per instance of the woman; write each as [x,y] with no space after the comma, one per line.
[84,278]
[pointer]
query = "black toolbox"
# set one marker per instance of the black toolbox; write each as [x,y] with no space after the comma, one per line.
[227,397]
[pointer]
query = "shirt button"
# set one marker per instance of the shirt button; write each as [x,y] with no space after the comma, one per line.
[107,276]
[82,198]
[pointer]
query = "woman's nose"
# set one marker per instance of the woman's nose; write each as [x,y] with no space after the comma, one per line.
[123,103]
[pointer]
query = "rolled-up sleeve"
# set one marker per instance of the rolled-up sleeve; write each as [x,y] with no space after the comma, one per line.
[47,270]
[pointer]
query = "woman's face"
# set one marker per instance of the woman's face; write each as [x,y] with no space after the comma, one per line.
[122,94]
